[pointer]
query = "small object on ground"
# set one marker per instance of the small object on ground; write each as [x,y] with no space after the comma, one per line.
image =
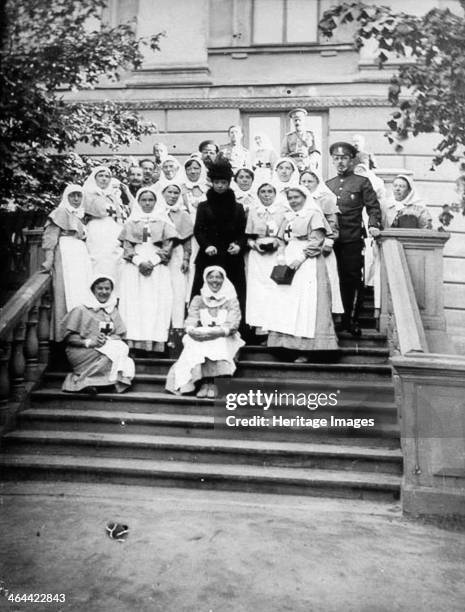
[117,531]
[301,359]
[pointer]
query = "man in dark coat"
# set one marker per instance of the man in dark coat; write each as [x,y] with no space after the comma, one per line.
[353,194]
[220,231]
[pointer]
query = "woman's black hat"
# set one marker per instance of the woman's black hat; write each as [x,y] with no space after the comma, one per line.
[220,169]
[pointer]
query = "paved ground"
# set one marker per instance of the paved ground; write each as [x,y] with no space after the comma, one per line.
[191,551]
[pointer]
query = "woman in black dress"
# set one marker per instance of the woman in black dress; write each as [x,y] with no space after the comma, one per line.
[220,231]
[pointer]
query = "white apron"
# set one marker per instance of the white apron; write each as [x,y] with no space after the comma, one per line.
[104,248]
[118,353]
[195,353]
[333,275]
[179,284]
[259,286]
[146,301]
[77,270]
[292,308]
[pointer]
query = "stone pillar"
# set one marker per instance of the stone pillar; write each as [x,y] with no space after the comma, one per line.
[430,394]
[36,254]
[423,251]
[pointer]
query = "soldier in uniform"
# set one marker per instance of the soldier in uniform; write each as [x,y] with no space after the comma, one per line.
[299,138]
[353,193]
[237,155]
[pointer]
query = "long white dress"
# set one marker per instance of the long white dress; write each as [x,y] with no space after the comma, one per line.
[327,201]
[292,309]
[299,315]
[179,280]
[146,301]
[103,229]
[64,243]
[263,224]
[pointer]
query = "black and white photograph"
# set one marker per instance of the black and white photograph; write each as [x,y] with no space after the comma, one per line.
[232,305]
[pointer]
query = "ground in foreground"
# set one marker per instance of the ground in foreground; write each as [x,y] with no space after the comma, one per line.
[222,552]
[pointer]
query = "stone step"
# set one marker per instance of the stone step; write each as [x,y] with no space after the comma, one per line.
[206,450]
[356,354]
[366,319]
[255,373]
[96,418]
[351,395]
[279,369]
[369,338]
[281,480]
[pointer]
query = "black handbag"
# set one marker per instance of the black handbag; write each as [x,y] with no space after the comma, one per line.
[282,274]
[267,247]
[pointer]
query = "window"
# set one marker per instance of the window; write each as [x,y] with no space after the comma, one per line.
[285,21]
[263,22]
[121,11]
[276,124]
[221,23]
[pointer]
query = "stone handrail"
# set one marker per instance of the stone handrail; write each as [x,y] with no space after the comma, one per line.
[429,380]
[412,289]
[409,326]
[24,344]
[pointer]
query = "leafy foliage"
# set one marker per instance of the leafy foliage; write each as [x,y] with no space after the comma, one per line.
[428,88]
[47,49]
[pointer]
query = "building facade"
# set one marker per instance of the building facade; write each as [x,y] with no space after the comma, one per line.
[249,62]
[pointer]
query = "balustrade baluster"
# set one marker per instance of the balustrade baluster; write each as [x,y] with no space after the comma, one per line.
[5,354]
[44,329]
[18,362]
[31,349]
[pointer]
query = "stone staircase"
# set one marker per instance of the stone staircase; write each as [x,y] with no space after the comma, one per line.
[146,436]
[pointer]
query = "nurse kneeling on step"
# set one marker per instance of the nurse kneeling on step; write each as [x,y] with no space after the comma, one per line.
[93,334]
[212,340]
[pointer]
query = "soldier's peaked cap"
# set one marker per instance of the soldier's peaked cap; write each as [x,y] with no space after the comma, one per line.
[342,148]
[294,111]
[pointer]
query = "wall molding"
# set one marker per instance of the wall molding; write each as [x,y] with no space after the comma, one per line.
[251,104]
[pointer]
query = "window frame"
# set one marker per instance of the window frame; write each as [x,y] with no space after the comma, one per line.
[236,40]
[323,113]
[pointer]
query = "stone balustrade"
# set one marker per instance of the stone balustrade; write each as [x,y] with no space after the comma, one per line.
[24,344]
[423,250]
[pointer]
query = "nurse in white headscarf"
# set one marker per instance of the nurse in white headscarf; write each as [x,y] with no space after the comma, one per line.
[212,338]
[103,207]
[94,342]
[327,201]
[285,175]
[263,223]
[299,315]
[411,208]
[244,188]
[146,294]
[66,255]
[193,191]
[171,170]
